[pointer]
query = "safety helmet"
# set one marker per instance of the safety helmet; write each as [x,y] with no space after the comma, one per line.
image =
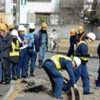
[21,28]
[80,28]
[77,61]
[44,25]
[72,32]
[99,28]
[14,32]
[31,26]
[3,27]
[91,36]
[11,26]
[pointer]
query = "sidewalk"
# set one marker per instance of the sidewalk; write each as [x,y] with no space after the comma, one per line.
[15,89]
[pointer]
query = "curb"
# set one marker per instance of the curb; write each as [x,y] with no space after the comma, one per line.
[62,52]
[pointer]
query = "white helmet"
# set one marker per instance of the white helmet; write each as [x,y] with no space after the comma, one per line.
[21,28]
[77,60]
[14,32]
[91,36]
[31,26]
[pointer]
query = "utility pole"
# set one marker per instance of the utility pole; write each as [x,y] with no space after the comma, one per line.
[17,18]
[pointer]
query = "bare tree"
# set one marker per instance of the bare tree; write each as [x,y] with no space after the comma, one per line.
[92,16]
[70,11]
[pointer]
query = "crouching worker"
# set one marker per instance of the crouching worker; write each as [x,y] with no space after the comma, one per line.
[60,62]
[14,54]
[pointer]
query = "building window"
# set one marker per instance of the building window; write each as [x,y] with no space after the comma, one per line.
[44,17]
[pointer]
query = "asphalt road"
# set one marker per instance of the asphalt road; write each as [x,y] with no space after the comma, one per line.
[92,65]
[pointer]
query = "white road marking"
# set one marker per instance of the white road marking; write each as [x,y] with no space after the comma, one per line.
[9,92]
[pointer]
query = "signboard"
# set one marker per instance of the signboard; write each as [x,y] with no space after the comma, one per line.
[23,2]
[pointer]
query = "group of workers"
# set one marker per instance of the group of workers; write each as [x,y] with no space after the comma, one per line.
[76,67]
[19,47]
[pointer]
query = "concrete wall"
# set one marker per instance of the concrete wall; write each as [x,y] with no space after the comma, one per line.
[94,29]
[63,31]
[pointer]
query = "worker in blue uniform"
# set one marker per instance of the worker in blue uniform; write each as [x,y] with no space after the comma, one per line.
[98,79]
[11,27]
[83,52]
[52,67]
[81,34]
[32,49]
[23,50]
[43,43]
[72,42]
[1,58]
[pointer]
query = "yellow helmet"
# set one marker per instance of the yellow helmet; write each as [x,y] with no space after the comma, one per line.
[11,26]
[44,25]
[72,32]
[3,27]
[99,28]
[80,28]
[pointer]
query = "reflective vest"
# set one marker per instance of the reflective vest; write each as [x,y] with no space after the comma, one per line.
[82,57]
[81,38]
[14,47]
[56,58]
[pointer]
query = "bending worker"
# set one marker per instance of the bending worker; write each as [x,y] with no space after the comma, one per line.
[83,52]
[60,62]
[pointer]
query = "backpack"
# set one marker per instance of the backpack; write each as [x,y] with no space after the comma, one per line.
[98,50]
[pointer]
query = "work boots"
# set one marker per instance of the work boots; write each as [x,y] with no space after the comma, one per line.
[40,64]
[32,73]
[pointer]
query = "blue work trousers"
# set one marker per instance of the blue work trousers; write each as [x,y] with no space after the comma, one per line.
[98,79]
[1,72]
[42,51]
[20,66]
[70,51]
[13,70]
[55,78]
[30,55]
[80,71]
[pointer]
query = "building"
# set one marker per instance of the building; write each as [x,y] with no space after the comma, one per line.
[53,12]
[38,11]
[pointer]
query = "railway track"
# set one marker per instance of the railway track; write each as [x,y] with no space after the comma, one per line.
[75,94]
